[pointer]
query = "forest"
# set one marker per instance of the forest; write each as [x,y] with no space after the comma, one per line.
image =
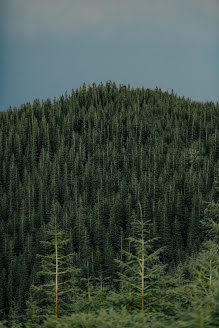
[109,211]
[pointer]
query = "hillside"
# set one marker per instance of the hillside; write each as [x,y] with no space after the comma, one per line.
[88,160]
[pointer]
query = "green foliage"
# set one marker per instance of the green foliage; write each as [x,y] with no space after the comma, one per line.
[140,271]
[56,271]
[201,292]
[89,158]
[211,221]
[108,319]
[3,324]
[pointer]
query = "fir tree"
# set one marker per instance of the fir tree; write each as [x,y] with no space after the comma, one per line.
[56,286]
[141,269]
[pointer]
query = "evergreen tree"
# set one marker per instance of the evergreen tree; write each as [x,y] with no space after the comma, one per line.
[141,269]
[56,285]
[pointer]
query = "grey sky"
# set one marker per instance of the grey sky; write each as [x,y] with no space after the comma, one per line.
[50,46]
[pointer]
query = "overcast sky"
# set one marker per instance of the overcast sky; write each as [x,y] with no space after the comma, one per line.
[50,46]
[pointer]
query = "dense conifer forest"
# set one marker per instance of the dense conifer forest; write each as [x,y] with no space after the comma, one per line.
[109,212]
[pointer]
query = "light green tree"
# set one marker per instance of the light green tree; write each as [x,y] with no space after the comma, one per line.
[56,285]
[140,270]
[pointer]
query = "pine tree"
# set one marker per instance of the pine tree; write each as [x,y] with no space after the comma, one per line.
[55,288]
[140,272]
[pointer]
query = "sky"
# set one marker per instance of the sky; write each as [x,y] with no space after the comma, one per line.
[48,47]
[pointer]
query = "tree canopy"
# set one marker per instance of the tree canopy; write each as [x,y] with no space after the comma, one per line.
[97,153]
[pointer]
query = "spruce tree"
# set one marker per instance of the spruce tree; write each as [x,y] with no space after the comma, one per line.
[140,270]
[54,290]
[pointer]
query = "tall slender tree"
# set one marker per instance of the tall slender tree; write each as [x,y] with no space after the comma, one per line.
[141,267]
[55,289]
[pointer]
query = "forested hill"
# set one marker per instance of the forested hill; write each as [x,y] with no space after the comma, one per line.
[90,158]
